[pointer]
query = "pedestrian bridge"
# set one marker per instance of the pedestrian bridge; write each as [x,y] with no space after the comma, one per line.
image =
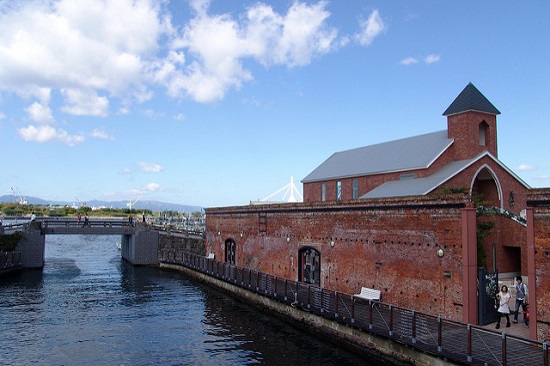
[138,240]
[92,227]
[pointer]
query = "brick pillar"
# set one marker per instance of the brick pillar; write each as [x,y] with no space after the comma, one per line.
[531,273]
[469,265]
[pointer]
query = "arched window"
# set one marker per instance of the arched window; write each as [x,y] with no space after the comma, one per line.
[483,130]
[230,249]
[309,260]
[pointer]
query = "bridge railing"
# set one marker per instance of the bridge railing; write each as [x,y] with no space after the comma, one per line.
[12,228]
[460,342]
[169,228]
[92,223]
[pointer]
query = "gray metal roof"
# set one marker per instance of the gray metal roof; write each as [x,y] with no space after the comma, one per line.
[470,99]
[416,152]
[422,186]
[419,186]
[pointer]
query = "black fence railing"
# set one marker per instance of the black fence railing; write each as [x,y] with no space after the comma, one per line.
[456,341]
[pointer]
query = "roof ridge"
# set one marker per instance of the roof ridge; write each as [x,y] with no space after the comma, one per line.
[393,141]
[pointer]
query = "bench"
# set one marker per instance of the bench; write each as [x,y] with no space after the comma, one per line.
[368,294]
[210,256]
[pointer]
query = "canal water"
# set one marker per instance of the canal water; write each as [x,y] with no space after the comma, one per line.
[88,307]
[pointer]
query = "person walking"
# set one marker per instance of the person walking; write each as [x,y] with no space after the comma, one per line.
[521,295]
[503,298]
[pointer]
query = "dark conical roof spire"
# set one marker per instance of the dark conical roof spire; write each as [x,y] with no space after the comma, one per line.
[470,99]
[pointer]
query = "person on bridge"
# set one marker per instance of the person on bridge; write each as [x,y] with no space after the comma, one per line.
[86,220]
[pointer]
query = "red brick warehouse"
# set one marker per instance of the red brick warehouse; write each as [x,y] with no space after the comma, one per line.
[397,216]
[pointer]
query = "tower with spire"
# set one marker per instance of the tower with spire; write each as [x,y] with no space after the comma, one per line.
[472,123]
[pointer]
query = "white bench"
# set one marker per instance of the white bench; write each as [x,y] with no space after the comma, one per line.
[210,256]
[368,294]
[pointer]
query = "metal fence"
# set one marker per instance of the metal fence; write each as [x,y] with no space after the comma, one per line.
[456,341]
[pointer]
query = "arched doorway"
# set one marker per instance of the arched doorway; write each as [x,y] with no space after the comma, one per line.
[309,262]
[486,190]
[230,251]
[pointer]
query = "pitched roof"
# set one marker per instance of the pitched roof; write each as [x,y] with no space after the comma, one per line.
[418,186]
[422,186]
[400,155]
[470,99]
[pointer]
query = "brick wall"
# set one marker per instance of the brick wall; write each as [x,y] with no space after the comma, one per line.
[387,244]
[180,243]
[508,239]
[464,128]
[539,266]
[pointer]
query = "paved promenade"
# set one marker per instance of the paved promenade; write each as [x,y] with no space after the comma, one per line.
[518,329]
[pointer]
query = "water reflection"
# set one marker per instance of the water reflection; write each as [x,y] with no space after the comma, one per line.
[89,307]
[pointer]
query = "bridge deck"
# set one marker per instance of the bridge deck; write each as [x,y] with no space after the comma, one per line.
[93,227]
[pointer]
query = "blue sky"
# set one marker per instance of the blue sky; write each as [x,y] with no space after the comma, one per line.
[218,103]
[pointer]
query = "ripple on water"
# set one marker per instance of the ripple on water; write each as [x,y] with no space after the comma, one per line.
[88,307]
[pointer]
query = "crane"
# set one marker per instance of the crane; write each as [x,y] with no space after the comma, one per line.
[130,203]
[18,196]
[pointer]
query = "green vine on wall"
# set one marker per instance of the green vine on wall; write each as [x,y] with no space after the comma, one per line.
[9,241]
[484,229]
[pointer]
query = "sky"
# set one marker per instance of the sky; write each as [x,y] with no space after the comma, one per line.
[217,103]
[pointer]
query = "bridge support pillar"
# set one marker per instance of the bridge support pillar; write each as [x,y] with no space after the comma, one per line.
[141,248]
[32,247]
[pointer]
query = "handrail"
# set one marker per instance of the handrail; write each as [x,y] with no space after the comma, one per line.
[457,341]
[91,222]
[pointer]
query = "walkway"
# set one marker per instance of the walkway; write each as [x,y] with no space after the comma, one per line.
[429,334]
[516,329]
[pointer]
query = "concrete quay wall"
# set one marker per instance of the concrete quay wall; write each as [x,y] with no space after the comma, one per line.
[32,246]
[10,261]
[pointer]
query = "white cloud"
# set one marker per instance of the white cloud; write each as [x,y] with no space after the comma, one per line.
[100,134]
[47,134]
[85,102]
[525,168]
[370,29]
[152,114]
[91,51]
[40,113]
[430,59]
[217,45]
[409,61]
[152,187]
[151,167]
[86,45]
[291,40]
[2,115]
[179,117]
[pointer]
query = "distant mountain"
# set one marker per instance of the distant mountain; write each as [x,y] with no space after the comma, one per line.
[140,205]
